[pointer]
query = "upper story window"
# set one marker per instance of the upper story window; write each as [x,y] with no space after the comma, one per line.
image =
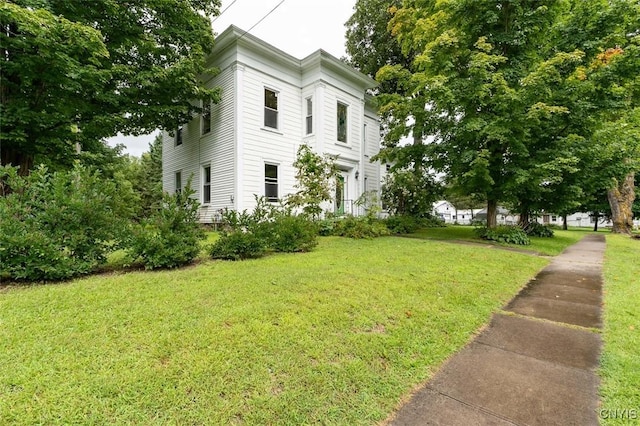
[309,116]
[342,122]
[206,117]
[271,182]
[270,108]
[178,137]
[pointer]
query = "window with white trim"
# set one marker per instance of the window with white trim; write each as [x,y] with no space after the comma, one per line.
[206,117]
[309,116]
[178,136]
[178,181]
[270,108]
[206,184]
[271,182]
[342,121]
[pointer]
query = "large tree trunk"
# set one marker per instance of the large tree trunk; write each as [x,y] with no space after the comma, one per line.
[596,218]
[564,222]
[525,216]
[492,213]
[621,199]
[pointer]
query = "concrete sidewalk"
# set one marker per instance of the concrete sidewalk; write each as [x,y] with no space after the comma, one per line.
[534,364]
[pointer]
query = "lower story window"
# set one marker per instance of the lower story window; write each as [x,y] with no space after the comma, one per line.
[206,185]
[271,182]
[178,182]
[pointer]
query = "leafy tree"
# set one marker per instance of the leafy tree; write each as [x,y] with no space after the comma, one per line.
[369,42]
[75,72]
[405,192]
[314,177]
[465,87]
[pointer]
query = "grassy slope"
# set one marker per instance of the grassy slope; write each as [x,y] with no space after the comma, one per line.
[620,363]
[336,336]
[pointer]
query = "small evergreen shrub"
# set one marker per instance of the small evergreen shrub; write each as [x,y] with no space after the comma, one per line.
[535,229]
[238,245]
[171,236]
[504,234]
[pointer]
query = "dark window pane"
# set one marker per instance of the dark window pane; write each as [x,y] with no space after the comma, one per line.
[342,122]
[309,125]
[271,182]
[270,99]
[206,187]
[270,118]
[179,136]
[206,118]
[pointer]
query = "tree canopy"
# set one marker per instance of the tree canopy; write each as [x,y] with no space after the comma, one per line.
[509,98]
[75,72]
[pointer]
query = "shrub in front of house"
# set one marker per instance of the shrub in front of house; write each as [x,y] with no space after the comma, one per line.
[268,228]
[289,233]
[171,236]
[360,227]
[504,234]
[55,226]
[238,245]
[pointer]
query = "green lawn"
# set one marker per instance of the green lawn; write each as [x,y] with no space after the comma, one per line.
[336,336]
[620,363]
[546,246]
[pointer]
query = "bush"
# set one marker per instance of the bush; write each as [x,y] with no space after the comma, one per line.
[275,227]
[238,245]
[535,229]
[504,234]
[290,234]
[402,224]
[360,227]
[56,226]
[171,236]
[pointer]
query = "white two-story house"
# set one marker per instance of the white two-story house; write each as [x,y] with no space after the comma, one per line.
[271,104]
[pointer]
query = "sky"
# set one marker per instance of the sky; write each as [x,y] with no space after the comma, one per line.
[298,27]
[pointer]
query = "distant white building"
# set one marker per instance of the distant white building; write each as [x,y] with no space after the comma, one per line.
[450,214]
[272,103]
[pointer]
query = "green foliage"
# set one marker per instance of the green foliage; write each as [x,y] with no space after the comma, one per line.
[289,233]
[78,72]
[145,175]
[535,229]
[59,225]
[359,227]
[267,228]
[407,192]
[314,181]
[171,236]
[504,234]
[238,245]
[404,224]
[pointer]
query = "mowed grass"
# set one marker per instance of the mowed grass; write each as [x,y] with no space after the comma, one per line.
[620,362]
[545,246]
[337,336]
